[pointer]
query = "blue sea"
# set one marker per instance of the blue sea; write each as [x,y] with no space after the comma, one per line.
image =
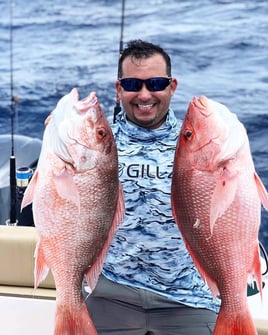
[219,48]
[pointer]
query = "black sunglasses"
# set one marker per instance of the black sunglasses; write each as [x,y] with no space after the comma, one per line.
[152,84]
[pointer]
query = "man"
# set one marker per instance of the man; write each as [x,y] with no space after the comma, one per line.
[149,283]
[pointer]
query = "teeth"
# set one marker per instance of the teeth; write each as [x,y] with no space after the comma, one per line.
[145,106]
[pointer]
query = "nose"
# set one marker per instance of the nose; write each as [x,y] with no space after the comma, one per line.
[144,93]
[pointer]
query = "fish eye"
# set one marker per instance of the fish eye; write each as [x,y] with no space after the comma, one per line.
[101,134]
[188,134]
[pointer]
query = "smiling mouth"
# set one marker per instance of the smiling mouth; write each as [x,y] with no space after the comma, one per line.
[145,107]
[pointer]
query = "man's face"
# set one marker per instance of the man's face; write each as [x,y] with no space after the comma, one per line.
[145,108]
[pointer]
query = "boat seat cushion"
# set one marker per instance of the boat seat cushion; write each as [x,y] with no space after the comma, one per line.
[17,247]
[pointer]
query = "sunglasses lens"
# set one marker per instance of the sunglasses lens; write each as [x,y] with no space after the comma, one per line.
[152,84]
[157,84]
[131,84]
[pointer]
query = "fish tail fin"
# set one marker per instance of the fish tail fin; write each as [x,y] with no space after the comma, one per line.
[69,321]
[238,324]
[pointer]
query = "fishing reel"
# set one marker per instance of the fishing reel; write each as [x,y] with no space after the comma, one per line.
[23,177]
[24,217]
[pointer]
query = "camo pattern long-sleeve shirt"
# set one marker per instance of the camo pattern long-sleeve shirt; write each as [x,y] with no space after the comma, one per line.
[148,250]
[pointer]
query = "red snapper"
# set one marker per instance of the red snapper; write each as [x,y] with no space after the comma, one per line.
[77,205]
[216,201]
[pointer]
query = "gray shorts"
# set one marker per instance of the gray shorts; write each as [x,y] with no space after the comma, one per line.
[120,309]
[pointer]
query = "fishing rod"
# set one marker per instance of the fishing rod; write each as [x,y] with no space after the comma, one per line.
[117,107]
[12,176]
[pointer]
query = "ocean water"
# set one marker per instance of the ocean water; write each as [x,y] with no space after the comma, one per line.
[219,48]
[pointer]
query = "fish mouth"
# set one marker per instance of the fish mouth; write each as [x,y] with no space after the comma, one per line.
[203,101]
[85,104]
[201,104]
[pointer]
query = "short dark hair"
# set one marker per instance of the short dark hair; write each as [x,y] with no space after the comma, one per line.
[140,49]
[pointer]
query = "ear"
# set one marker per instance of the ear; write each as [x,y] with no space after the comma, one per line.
[118,91]
[173,85]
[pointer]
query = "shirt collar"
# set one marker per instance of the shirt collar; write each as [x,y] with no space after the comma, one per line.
[141,133]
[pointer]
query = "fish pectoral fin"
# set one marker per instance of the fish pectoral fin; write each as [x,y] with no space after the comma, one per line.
[29,192]
[94,271]
[222,198]
[41,269]
[261,191]
[67,188]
